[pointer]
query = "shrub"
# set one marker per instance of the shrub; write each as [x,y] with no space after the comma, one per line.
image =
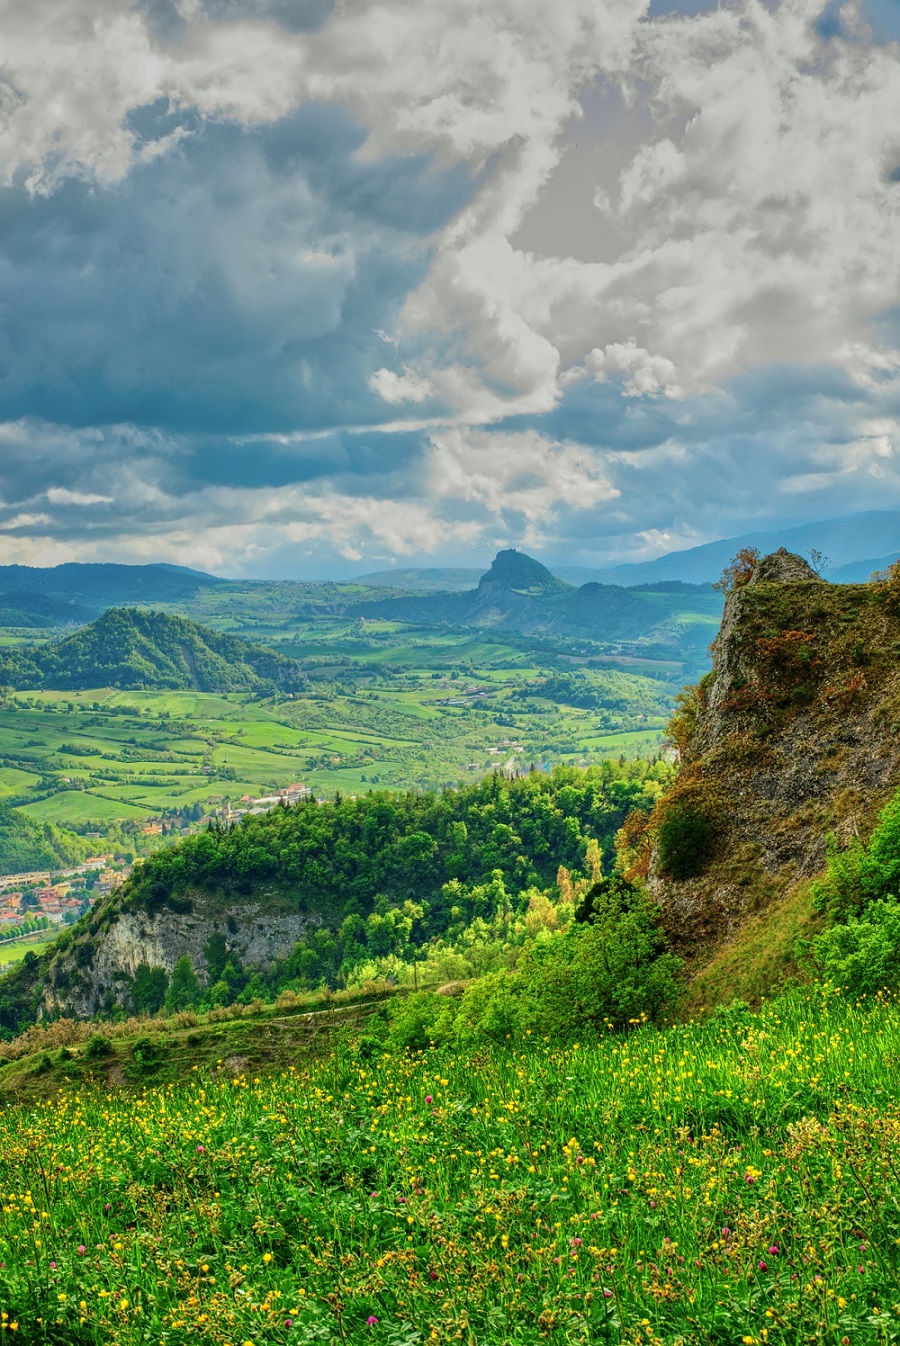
[419,1020]
[863,956]
[612,970]
[860,874]
[684,840]
[97,1045]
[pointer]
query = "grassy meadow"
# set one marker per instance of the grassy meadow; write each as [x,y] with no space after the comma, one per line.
[733,1181]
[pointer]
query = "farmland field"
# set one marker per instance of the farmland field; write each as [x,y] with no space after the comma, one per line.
[387,708]
[726,1182]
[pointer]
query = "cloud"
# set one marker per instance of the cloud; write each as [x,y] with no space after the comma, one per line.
[59,495]
[280,280]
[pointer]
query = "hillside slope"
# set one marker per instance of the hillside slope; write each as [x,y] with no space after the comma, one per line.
[352,878]
[792,736]
[133,648]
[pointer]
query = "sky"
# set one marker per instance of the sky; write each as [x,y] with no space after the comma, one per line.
[305,288]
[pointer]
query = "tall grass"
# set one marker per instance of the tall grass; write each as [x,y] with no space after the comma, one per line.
[734,1181]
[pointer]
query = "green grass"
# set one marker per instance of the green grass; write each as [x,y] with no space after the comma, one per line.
[720,1183]
[14,951]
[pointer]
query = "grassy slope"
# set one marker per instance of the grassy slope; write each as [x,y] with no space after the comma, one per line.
[719,1183]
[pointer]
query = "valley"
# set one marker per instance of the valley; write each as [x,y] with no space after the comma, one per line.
[359,700]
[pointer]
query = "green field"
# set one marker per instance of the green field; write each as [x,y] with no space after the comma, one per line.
[13,951]
[730,1182]
[389,706]
[373,717]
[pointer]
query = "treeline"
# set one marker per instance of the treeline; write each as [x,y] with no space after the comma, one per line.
[625,692]
[349,856]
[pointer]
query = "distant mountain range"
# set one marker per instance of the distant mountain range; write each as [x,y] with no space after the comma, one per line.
[76,592]
[848,543]
[518,593]
[133,648]
[856,545]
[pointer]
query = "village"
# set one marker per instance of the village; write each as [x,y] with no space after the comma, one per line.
[61,896]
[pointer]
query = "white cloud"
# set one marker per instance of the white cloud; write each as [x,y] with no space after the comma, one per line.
[522,473]
[643,374]
[406,387]
[60,495]
[759,216]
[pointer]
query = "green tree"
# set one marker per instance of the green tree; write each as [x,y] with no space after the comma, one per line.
[148,988]
[184,987]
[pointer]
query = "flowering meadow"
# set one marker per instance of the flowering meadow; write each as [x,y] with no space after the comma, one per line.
[736,1181]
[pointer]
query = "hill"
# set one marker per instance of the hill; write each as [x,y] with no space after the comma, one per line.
[851,539]
[77,591]
[519,594]
[792,737]
[134,648]
[27,846]
[423,579]
[314,893]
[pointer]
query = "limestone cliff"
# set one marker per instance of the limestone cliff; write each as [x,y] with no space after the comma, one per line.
[792,736]
[90,970]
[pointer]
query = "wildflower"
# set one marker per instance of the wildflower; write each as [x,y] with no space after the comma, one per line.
[371,1320]
[607,1294]
[267,1257]
[773,1250]
[81,1250]
[433,1275]
[762,1266]
[428,1098]
[289,1322]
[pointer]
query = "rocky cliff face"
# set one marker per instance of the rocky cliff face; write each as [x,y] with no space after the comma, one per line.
[792,736]
[94,968]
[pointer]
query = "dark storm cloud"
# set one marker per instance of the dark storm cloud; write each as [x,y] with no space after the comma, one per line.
[235,284]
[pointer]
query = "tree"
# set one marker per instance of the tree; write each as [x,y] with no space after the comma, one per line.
[737,573]
[148,988]
[184,987]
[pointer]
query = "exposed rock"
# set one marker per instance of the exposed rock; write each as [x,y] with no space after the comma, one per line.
[80,983]
[794,734]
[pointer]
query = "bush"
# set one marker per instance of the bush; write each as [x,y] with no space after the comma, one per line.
[863,956]
[97,1045]
[609,972]
[684,841]
[860,874]
[419,1020]
[147,1054]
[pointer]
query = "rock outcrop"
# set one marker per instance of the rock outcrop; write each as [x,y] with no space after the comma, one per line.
[792,736]
[92,970]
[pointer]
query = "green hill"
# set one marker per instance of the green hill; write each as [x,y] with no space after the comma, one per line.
[25,845]
[131,648]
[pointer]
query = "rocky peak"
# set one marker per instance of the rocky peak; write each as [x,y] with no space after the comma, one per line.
[783,567]
[792,736]
[514,570]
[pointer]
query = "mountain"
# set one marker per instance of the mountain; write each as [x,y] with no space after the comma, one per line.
[519,594]
[843,541]
[857,572]
[77,591]
[521,574]
[130,647]
[28,607]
